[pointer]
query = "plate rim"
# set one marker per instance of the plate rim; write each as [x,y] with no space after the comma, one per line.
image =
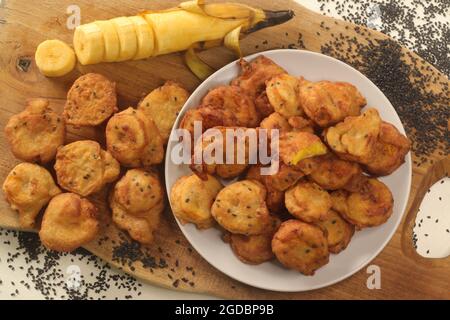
[408,163]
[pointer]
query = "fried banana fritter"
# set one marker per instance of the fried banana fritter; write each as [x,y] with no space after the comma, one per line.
[300,246]
[308,201]
[137,202]
[255,249]
[275,121]
[390,151]
[91,100]
[332,173]
[369,207]
[328,103]
[133,139]
[263,106]
[284,178]
[339,231]
[28,188]
[299,123]
[192,198]
[283,94]
[82,167]
[236,103]
[68,223]
[296,146]
[35,134]
[354,139]
[162,105]
[241,208]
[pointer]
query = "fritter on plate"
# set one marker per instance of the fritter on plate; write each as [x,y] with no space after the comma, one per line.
[283,94]
[82,167]
[35,134]
[301,246]
[28,188]
[241,208]
[133,139]
[192,198]
[339,231]
[68,223]
[91,100]
[297,145]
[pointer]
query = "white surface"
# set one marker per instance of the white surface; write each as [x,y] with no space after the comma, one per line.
[364,246]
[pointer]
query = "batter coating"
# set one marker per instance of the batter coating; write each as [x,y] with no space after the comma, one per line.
[339,232]
[283,94]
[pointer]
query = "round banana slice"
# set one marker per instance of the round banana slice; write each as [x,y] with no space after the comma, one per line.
[111,39]
[145,39]
[88,43]
[127,38]
[55,58]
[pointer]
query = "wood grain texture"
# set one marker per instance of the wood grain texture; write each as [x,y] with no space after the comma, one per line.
[24,24]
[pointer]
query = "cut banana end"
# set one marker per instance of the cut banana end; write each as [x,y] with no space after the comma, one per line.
[88,43]
[111,40]
[127,38]
[55,58]
[145,38]
[196,65]
[231,41]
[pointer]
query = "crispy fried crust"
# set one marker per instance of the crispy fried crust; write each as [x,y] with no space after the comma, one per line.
[137,202]
[332,173]
[369,207]
[35,134]
[28,188]
[328,103]
[255,74]
[263,106]
[286,177]
[133,139]
[255,249]
[339,231]
[354,139]
[91,100]
[308,201]
[283,94]
[163,104]
[296,146]
[68,223]
[192,198]
[300,246]
[82,167]
[390,151]
[275,121]
[240,208]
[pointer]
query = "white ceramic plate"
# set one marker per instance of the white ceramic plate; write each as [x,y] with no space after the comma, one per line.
[365,245]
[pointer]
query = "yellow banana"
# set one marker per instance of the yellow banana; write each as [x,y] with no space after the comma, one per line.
[55,58]
[127,38]
[111,40]
[88,43]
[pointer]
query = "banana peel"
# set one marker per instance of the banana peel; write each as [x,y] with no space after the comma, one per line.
[191,26]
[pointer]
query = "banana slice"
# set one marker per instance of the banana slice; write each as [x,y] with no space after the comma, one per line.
[145,39]
[127,38]
[111,40]
[88,43]
[55,58]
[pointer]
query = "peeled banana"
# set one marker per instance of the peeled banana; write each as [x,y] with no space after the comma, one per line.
[190,26]
[55,58]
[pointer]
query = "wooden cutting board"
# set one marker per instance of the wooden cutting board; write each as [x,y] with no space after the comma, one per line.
[171,262]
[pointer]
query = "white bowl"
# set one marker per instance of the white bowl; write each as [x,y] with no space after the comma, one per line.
[365,245]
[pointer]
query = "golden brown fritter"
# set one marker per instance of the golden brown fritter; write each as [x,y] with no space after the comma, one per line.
[263,106]
[207,117]
[389,151]
[133,139]
[28,188]
[241,208]
[137,202]
[299,123]
[332,173]
[236,103]
[339,231]
[275,121]
[255,74]
[82,167]
[35,134]
[255,249]
[300,246]
[218,137]
[354,139]
[308,201]
[192,198]
[328,103]
[91,100]
[296,146]
[283,94]
[68,223]
[369,207]
[284,178]
[162,105]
